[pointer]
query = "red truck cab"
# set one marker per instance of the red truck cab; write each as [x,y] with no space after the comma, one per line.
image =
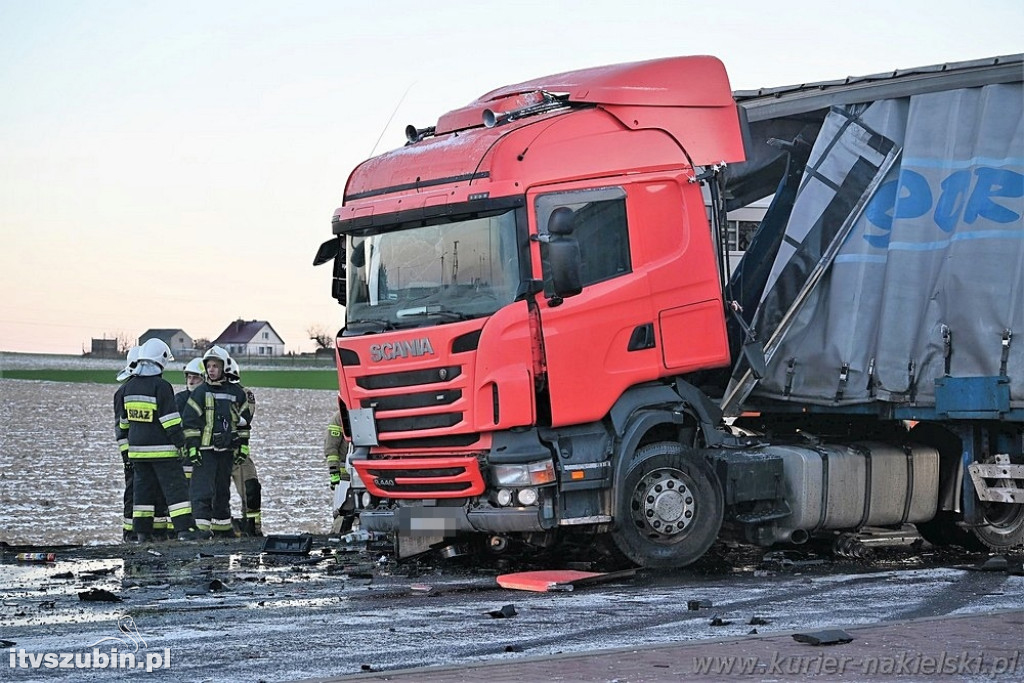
[512,278]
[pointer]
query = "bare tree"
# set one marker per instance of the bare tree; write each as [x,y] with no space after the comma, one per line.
[323,338]
[201,344]
[124,342]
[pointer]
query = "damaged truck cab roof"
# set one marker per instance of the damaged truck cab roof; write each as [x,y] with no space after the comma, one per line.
[678,111]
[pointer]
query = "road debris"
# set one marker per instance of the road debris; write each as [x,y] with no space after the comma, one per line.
[546,580]
[828,637]
[506,612]
[98,595]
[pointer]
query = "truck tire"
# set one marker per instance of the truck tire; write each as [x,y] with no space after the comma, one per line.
[670,507]
[1003,525]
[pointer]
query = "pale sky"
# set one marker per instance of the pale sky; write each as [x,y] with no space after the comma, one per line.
[176,164]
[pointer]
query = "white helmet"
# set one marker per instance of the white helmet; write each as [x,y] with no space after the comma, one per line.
[195,366]
[218,353]
[156,351]
[130,363]
[231,370]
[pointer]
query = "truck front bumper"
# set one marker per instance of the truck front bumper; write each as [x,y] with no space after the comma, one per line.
[448,521]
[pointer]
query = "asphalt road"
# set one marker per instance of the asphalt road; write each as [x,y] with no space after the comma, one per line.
[227,611]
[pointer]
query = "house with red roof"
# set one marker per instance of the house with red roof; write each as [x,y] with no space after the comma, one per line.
[250,338]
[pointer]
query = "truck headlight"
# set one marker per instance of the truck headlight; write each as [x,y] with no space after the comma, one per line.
[530,474]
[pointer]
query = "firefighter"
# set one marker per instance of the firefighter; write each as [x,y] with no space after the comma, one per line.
[216,420]
[132,360]
[337,469]
[193,378]
[148,420]
[244,473]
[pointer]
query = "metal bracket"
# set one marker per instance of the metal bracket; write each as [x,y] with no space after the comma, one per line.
[844,373]
[1007,338]
[1009,480]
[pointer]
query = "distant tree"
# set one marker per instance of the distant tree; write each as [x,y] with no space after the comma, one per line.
[323,338]
[201,344]
[124,342]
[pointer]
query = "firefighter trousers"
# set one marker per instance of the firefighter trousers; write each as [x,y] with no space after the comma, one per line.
[155,478]
[161,520]
[211,491]
[250,492]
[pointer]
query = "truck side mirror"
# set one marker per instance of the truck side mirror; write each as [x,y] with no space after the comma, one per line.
[334,249]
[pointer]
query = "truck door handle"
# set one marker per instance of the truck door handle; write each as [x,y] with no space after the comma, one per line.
[642,338]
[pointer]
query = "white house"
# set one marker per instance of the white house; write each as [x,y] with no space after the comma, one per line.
[250,338]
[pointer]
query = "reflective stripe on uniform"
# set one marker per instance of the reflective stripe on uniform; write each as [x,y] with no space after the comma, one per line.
[140,408]
[170,419]
[127,524]
[158,451]
[220,525]
[179,509]
[203,524]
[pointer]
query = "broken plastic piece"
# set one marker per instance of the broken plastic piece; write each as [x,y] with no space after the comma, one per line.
[98,595]
[506,612]
[558,579]
[829,637]
[288,544]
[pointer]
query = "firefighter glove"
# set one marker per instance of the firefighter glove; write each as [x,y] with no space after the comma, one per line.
[241,454]
[194,456]
[128,466]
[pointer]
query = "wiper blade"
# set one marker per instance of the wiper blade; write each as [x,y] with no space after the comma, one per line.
[426,311]
[383,323]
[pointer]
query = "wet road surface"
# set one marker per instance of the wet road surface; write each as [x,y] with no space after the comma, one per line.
[227,611]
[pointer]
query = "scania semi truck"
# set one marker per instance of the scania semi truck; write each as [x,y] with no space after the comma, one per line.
[543,339]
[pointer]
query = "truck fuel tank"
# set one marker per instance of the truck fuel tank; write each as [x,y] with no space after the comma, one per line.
[845,487]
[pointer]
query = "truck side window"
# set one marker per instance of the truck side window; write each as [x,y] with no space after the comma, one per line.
[600,227]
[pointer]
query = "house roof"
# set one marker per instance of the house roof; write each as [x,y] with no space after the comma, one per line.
[243,331]
[164,334]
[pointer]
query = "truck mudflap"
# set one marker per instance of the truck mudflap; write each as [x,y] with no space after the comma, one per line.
[418,520]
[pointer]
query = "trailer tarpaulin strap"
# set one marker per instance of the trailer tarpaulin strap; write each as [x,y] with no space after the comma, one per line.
[930,276]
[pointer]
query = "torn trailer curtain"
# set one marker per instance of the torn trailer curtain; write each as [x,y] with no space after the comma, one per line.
[930,276]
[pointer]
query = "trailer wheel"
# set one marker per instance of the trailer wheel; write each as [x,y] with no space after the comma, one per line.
[670,507]
[1003,525]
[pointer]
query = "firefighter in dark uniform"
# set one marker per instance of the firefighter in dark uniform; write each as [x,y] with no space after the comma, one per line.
[216,421]
[244,473]
[193,378]
[148,419]
[127,528]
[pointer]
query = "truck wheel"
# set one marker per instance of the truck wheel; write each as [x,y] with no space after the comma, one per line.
[670,507]
[1004,528]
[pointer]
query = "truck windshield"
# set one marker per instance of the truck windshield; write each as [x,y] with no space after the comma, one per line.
[433,274]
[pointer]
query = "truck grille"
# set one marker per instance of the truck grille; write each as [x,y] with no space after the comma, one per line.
[447,477]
